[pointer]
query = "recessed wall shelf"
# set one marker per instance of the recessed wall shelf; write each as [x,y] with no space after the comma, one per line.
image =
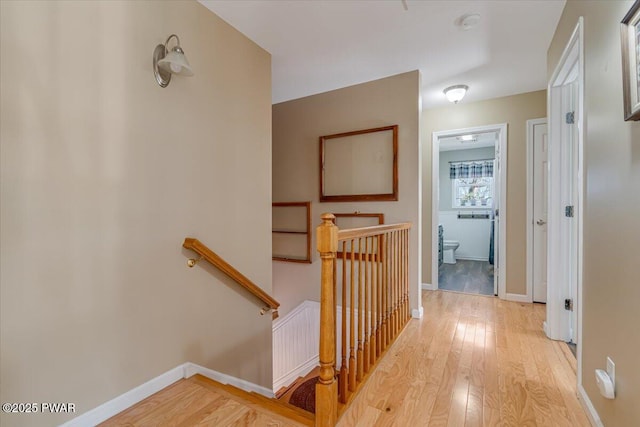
[291,228]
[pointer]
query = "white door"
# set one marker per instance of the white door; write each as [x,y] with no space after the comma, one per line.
[540,193]
[572,200]
[496,219]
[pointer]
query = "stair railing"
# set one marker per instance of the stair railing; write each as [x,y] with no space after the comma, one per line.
[372,278]
[222,265]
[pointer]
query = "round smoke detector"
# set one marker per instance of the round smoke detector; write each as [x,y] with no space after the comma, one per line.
[468,21]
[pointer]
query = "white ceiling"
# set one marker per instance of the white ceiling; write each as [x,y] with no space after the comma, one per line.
[321,45]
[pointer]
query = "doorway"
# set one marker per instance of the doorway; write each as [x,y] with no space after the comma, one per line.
[566,183]
[468,201]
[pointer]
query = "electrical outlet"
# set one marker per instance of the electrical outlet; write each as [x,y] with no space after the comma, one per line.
[611,371]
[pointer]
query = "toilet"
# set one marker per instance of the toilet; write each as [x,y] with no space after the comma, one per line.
[449,248]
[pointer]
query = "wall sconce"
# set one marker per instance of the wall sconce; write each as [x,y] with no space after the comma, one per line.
[166,63]
[456,93]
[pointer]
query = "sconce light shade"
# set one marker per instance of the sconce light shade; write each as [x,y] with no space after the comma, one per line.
[166,63]
[456,93]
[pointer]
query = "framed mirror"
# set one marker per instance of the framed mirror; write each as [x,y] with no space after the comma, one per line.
[359,166]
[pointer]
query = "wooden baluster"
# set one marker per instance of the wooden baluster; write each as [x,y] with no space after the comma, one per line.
[379,335]
[344,372]
[384,283]
[406,276]
[360,356]
[326,388]
[368,261]
[397,287]
[402,282]
[352,326]
[374,300]
[387,287]
[394,286]
[376,306]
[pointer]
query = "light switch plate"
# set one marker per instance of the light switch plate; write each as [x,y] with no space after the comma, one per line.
[611,371]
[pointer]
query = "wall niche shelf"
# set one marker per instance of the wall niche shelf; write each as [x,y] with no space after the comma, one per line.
[291,231]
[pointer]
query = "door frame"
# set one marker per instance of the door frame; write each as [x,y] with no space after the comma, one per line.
[530,219]
[558,320]
[501,130]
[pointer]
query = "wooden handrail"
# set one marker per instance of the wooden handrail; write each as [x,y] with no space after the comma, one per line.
[374,230]
[222,265]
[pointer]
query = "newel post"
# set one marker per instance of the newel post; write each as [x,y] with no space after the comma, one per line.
[327,387]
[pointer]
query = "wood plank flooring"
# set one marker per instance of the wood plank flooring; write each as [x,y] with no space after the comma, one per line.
[471,361]
[197,401]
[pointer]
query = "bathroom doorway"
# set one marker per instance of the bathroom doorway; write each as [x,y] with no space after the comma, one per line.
[467,195]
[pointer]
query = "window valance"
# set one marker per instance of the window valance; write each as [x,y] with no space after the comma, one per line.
[471,169]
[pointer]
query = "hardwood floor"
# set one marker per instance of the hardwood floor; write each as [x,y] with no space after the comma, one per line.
[471,361]
[198,401]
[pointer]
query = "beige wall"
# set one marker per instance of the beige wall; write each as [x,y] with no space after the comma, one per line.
[515,111]
[103,175]
[611,293]
[298,124]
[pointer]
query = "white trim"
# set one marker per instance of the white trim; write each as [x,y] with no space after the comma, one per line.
[192,369]
[301,370]
[530,228]
[417,314]
[118,404]
[502,130]
[517,298]
[558,319]
[574,51]
[588,407]
[473,258]
[428,287]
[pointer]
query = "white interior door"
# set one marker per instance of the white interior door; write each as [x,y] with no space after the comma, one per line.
[572,198]
[496,219]
[540,210]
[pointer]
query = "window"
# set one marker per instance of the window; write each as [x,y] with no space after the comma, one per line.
[472,183]
[472,192]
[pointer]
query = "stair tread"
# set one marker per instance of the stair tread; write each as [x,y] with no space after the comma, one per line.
[252,398]
[284,390]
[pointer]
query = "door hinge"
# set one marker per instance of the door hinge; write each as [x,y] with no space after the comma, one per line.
[568,211]
[570,117]
[568,304]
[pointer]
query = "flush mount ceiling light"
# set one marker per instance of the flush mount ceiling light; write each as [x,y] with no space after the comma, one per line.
[455,93]
[166,63]
[467,138]
[468,21]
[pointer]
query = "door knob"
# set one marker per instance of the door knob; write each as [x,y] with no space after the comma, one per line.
[541,222]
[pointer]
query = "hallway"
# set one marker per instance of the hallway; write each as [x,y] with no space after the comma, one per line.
[471,361]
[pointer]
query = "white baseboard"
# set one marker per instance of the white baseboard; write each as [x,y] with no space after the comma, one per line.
[417,313]
[592,414]
[428,287]
[118,404]
[517,298]
[473,258]
[192,369]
